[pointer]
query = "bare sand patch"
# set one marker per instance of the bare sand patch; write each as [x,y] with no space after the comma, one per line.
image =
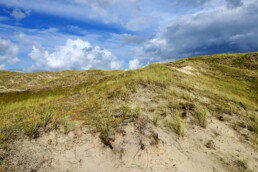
[186,69]
[151,149]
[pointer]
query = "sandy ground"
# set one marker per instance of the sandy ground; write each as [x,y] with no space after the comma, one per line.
[215,149]
[186,69]
[137,146]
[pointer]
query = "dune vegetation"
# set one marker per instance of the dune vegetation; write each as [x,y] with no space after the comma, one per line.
[173,96]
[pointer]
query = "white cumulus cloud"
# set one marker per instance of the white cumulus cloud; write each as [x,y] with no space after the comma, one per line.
[75,54]
[8,52]
[134,64]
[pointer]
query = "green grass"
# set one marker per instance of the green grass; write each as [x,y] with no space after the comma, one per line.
[66,125]
[126,112]
[155,120]
[200,114]
[176,124]
[138,111]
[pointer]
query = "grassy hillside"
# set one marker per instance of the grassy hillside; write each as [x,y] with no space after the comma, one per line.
[224,86]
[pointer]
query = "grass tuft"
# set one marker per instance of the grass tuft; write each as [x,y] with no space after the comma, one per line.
[66,125]
[138,111]
[155,120]
[242,165]
[177,125]
[126,111]
[200,114]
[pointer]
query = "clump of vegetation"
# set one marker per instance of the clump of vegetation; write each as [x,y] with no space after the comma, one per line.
[46,118]
[163,111]
[66,125]
[176,124]
[255,141]
[253,123]
[186,96]
[104,124]
[31,129]
[242,165]
[174,104]
[138,111]
[2,137]
[152,109]
[200,114]
[155,120]
[126,112]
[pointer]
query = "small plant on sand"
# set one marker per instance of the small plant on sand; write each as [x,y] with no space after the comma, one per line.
[66,125]
[152,109]
[134,88]
[104,124]
[200,114]
[138,111]
[242,164]
[176,124]
[252,124]
[155,120]
[174,104]
[255,141]
[2,163]
[107,124]
[163,111]
[46,118]
[30,128]
[186,96]
[2,136]
[125,112]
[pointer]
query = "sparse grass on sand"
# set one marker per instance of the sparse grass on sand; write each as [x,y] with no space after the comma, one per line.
[47,100]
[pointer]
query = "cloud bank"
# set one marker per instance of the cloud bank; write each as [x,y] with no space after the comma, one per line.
[74,55]
[209,32]
[132,33]
[8,52]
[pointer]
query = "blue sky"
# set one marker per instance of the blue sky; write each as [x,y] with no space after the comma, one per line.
[55,35]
